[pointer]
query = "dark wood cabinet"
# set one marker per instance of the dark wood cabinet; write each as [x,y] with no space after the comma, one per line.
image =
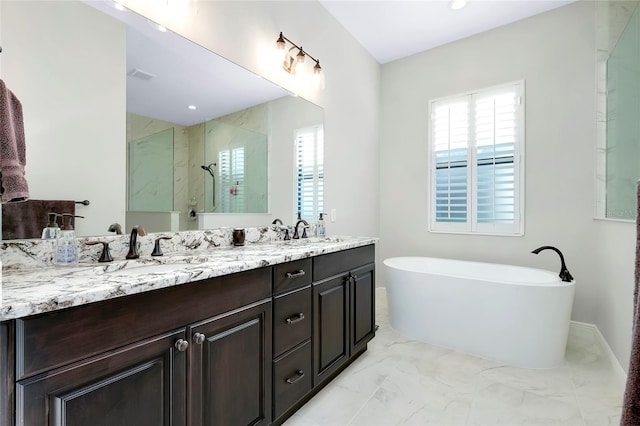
[113,364]
[230,366]
[362,305]
[331,326]
[242,349]
[344,308]
[143,384]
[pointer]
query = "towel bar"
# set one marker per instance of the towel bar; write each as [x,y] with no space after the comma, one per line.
[85,202]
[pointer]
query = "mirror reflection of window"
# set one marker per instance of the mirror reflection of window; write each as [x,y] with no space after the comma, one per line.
[309,154]
[232,177]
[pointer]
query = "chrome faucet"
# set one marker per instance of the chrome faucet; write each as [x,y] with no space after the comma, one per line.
[564,274]
[304,229]
[133,242]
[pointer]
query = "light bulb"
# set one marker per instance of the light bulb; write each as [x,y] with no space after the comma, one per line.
[300,56]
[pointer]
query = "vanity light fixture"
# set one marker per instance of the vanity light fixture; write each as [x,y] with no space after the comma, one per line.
[293,60]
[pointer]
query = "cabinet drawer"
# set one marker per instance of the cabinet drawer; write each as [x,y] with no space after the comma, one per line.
[291,320]
[290,275]
[331,264]
[291,378]
[58,338]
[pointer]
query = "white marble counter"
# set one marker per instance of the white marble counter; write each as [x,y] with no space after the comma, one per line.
[37,290]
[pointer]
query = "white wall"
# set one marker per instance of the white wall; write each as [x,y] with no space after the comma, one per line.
[350,99]
[555,54]
[75,148]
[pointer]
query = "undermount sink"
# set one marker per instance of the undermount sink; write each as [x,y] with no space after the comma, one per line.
[314,240]
[149,269]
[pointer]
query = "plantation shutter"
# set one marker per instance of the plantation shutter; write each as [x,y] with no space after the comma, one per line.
[496,133]
[231,171]
[476,140]
[450,150]
[309,172]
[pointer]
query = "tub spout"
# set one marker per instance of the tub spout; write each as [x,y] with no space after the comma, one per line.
[564,274]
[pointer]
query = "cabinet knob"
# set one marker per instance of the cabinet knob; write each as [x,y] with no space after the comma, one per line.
[199,338]
[181,345]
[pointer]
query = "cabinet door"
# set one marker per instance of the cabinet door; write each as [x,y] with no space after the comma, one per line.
[330,326]
[362,294]
[143,384]
[230,368]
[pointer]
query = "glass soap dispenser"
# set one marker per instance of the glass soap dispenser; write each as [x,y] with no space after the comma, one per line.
[320,231]
[51,231]
[66,243]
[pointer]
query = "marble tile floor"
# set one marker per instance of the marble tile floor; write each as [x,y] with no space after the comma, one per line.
[399,381]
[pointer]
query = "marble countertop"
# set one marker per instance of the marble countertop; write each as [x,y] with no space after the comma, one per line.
[39,290]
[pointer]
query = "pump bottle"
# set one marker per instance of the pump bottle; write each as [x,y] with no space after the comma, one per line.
[320,231]
[66,243]
[51,231]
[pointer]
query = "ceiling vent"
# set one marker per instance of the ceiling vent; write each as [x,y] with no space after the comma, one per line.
[142,75]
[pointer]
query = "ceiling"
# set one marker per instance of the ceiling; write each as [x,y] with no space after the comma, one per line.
[394,29]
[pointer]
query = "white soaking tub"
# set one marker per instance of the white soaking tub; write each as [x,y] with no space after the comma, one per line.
[511,314]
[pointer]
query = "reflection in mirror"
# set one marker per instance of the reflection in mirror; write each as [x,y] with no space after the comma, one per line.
[150,175]
[618,31]
[66,109]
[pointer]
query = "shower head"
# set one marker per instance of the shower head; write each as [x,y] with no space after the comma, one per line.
[209,169]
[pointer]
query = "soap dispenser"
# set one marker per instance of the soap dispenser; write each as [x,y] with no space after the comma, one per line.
[320,231]
[51,231]
[66,243]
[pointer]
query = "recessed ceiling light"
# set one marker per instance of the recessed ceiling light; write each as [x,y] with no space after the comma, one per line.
[457,4]
[118,6]
[156,26]
[191,107]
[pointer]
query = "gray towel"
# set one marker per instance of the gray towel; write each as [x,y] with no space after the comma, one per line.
[631,404]
[13,185]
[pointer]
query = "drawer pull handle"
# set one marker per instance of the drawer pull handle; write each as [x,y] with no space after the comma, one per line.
[181,345]
[294,319]
[199,338]
[299,375]
[297,274]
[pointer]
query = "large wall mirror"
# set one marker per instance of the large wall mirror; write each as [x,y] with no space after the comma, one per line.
[618,43]
[174,129]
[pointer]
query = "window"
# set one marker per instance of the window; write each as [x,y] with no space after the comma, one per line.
[476,146]
[309,154]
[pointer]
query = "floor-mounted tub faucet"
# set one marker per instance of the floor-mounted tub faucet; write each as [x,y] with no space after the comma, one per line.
[564,274]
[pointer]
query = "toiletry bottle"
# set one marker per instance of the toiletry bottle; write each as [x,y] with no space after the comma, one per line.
[51,231]
[66,243]
[320,226]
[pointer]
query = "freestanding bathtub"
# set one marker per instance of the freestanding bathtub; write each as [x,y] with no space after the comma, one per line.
[511,314]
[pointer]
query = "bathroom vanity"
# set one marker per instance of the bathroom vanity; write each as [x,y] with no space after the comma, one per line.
[244,343]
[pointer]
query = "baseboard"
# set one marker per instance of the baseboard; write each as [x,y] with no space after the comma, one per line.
[599,340]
